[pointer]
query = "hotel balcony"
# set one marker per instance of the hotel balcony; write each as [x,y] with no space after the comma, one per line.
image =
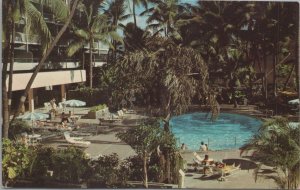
[48,78]
[28,64]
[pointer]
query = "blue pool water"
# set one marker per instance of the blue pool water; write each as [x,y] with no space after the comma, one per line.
[227,132]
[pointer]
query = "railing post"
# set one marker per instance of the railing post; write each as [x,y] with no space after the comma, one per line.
[208,142]
[235,141]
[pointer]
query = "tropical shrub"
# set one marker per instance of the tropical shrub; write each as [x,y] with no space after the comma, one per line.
[132,168]
[70,165]
[41,162]
[99,107]
[105,172]
[144,139]
[17,127]
[277,144]
[15,159]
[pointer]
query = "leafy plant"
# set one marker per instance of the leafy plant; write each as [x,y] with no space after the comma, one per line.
[70,165]
[277,144]
[144,139]
[105,172]
[41,162]
[99,107]
[15,159]
[17,127]
[132,168]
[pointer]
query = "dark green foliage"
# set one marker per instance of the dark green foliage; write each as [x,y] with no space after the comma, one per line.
[41,162]
[105,172]
[15,160]
[92,96]
[277,144]
[132,168]
[70,165]
[17,127]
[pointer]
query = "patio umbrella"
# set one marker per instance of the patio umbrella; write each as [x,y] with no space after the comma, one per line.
[294,102]
[32,116]
[74,103]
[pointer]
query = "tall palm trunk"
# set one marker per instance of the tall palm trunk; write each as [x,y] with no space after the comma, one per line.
[265,71]
[275,57]
[11,66]
[133,12]
[289,77]
[6,54]
[168,165]
[91,64]
[5,102]
[145,170]
[297,72]
[42,61]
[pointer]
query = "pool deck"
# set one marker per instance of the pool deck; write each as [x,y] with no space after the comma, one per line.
[105,143]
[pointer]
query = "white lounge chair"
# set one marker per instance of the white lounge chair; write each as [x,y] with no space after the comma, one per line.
[75,140]
[198,158]
[47,106]
[129,111]
[226,171]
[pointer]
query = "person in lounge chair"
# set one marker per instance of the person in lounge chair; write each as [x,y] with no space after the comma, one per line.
[206,162]
[64,117]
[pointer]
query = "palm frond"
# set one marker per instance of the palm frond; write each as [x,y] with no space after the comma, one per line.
[82,34]
[58,8]
[37,25]
[74,47]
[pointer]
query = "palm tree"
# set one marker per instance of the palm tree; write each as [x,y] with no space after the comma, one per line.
[95,27]
[135,38]
[35,24]
[135,3]
[163,16]
[45,56]
[160,74]
[116,13]
[277,144]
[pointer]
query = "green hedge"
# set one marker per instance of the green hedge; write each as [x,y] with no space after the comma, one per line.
[97,108]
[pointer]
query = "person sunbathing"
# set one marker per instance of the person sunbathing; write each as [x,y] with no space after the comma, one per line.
[206,162]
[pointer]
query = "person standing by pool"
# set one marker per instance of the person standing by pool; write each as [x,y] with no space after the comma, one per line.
[183,147]
[203,148]
[206,147]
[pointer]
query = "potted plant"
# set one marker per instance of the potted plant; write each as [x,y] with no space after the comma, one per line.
[97,111]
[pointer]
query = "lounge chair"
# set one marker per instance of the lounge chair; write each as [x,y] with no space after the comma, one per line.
[200,162]
[129,111]
[198,158]
[120,114]
[226,171]
[75,140]
[47,106]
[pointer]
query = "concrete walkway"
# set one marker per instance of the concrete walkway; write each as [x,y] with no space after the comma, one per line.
[105,143]
[241,179]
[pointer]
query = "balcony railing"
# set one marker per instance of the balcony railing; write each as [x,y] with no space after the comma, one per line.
[29,39]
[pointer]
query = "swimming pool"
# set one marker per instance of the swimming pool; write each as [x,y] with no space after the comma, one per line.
[227,132]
